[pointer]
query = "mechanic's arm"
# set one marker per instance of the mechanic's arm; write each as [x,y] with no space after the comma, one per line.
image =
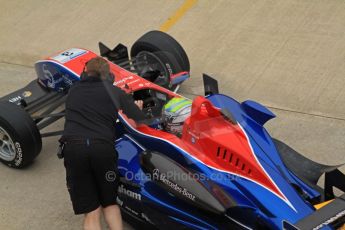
[131,108]
[125,102]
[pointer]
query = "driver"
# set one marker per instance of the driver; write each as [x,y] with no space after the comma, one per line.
[175,112]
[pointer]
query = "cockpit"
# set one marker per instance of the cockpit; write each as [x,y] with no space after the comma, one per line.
[164,111]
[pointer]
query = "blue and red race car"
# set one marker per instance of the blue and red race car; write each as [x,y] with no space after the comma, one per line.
[224,172]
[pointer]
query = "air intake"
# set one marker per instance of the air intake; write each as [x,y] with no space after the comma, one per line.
[232,159]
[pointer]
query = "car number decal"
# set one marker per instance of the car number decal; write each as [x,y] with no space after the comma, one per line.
[69,55]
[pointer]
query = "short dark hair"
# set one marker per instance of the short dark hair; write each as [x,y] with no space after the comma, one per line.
[99,66]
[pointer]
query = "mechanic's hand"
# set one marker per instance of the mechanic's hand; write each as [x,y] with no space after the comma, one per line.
[139,103]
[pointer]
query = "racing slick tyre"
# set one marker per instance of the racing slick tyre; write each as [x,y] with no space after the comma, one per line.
[158,51]
[20,140]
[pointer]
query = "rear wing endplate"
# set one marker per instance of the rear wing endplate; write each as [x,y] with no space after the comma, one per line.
[332,214]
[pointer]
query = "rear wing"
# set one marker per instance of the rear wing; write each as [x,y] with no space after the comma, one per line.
[332,215]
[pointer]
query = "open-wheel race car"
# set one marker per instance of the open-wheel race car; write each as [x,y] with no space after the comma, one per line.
[223,172]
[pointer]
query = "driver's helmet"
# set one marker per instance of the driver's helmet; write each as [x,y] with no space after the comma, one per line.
[175,112]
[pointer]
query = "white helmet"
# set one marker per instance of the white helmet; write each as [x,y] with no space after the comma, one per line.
[175,112]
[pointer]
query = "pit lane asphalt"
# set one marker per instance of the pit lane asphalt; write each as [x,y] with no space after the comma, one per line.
[287,54]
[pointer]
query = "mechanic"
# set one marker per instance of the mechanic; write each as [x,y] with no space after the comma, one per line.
[90,158]
[175,112]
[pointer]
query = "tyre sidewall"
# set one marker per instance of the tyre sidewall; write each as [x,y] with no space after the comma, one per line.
[24,134]
[167,58]
[166,49]
[158,41]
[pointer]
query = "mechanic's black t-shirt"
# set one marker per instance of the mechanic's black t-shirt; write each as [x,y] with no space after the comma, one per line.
[92,106]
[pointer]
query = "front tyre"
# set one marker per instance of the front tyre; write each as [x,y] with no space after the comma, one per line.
[20,140]
[158,52]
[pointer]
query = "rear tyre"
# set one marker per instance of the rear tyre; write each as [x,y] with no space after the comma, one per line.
[157,50]
[20,140]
